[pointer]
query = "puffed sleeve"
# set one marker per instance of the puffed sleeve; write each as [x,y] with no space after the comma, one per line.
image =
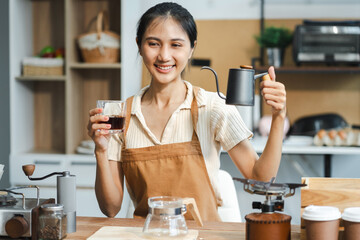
[229,127]
[114,147]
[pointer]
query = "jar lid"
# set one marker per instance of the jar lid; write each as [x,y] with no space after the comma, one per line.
[167,211]
[321,213]
[52,207]
[351,214]
[166,205]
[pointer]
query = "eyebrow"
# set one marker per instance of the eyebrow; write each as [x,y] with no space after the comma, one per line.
[158,39]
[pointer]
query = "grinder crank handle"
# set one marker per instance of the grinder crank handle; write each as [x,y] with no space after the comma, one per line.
[30,168]
[191,205]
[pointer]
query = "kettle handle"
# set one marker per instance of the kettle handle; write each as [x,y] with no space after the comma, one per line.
[191,205]
[264,76]
[216,79]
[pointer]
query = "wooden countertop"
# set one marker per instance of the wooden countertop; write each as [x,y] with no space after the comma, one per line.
[86,226]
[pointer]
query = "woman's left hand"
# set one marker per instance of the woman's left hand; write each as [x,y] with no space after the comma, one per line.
[274,94]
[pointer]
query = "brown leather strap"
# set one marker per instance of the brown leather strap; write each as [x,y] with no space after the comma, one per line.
[128,113]
[194,112]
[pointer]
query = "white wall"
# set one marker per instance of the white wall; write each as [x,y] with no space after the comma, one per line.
[131,68]
[250,9]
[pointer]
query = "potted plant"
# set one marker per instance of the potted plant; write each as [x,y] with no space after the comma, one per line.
[275,40]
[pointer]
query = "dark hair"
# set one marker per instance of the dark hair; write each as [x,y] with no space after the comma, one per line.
[166,10]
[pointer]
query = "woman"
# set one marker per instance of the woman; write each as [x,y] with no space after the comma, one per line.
[174,131]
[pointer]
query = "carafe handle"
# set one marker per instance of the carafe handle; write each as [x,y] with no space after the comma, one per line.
[191,205]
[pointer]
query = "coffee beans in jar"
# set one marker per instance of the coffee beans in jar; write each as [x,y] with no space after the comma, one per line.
[52,222]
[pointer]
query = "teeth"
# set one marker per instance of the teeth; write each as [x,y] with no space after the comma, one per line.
[165,68]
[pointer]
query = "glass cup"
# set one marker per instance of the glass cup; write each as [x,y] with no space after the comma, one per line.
[116,111]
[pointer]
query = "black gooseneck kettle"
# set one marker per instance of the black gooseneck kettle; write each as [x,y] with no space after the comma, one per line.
[241,85]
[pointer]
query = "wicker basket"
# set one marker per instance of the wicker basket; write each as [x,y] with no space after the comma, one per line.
[34,66]
[100,46]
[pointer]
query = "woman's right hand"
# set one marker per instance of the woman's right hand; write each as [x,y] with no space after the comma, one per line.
[98,130]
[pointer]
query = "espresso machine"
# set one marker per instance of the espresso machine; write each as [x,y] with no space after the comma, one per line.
[66,192]
[269,224]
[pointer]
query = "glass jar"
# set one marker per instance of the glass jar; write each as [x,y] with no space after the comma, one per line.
[165,218]
[52,222]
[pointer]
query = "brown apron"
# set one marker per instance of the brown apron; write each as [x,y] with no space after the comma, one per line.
[176,170]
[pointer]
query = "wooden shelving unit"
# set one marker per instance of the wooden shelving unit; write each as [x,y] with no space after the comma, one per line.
[313,90]
[313,70]
[51,112]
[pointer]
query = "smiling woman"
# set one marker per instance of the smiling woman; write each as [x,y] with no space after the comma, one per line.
[174,131]
[166,50]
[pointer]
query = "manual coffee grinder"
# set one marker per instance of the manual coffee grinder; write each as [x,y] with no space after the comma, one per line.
[66,192]
[269,224]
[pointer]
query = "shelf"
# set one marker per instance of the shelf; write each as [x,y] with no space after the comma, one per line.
[95,65]
[44,151]
[304,145]
[312,69]
[41,78]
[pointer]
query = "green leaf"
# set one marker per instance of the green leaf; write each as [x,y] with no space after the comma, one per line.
[275,37]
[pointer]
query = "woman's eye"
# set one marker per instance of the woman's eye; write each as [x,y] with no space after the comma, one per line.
[176,45]
[153,44]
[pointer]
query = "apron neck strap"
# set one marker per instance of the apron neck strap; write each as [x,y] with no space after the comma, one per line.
[128,113]
[194,111]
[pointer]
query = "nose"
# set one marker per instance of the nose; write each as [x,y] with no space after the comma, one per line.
[164,54]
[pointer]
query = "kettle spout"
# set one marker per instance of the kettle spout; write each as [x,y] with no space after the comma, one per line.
[216,79]
[260,75]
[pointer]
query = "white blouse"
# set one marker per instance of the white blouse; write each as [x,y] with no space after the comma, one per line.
[219,125]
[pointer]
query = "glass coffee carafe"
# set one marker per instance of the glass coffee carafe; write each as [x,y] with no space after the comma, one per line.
[166,217]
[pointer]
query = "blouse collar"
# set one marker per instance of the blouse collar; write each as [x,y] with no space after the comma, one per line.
[136,106]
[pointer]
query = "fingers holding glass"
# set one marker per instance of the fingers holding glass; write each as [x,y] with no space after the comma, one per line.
[95,122]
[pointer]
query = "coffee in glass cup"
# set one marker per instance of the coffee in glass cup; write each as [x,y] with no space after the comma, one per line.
[116,111]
